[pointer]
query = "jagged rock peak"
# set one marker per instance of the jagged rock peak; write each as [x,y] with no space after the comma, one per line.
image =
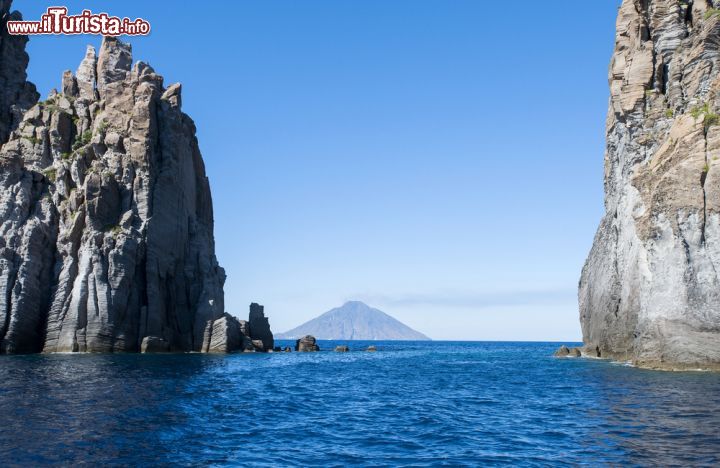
[86,75]
[113,64]
[106,218]
[649,290]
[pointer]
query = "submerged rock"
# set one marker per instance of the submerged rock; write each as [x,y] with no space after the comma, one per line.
[306,344]
[371,348]
[564,351]
[342,349]
[105,213]
[650,290]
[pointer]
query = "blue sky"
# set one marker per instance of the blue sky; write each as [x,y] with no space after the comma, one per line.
[439,160]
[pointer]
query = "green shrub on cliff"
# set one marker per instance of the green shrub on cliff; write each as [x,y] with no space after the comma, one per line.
[697,111]
[50,174]
[83,140]
[712,12]
[710,118]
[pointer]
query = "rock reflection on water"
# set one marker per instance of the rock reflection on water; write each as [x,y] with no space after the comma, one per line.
[409,403]
[671,418]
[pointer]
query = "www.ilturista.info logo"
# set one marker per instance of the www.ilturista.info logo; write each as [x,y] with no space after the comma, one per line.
[57,21]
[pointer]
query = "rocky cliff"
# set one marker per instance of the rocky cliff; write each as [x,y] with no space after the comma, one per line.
[650,291]
[16,94]
[105,212]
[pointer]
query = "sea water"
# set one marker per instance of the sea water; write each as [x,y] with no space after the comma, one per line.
[410,403]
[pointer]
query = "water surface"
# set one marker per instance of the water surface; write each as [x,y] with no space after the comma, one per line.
[419,403]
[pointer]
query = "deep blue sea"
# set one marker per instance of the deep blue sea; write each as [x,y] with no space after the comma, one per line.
[410,403]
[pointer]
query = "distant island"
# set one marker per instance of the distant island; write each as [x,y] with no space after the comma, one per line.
[354,320]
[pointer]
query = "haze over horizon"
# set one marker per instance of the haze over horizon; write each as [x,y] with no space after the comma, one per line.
[417,169]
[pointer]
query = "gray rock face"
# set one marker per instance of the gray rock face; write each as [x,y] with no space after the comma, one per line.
[105,214]
[260,328]
[16,93]
[306,344]
[154,344]
[650,291]
[223,335]
[355,321]
[564,351]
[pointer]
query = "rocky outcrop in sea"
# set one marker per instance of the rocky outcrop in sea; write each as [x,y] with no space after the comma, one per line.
[259,328]
[650,290]
[105,213]
[228,334]
[306,344]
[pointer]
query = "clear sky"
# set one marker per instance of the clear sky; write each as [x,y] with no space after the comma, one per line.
[439,160]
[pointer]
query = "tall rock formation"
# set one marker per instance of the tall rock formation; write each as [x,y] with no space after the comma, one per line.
[650,290]
[16,94]
[105,212]
[259,327]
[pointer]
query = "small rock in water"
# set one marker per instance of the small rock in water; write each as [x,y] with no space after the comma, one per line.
[222,335]
[288,349]
[154,344]
[306,344]
[342,349]
[372,348]
[564,351]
